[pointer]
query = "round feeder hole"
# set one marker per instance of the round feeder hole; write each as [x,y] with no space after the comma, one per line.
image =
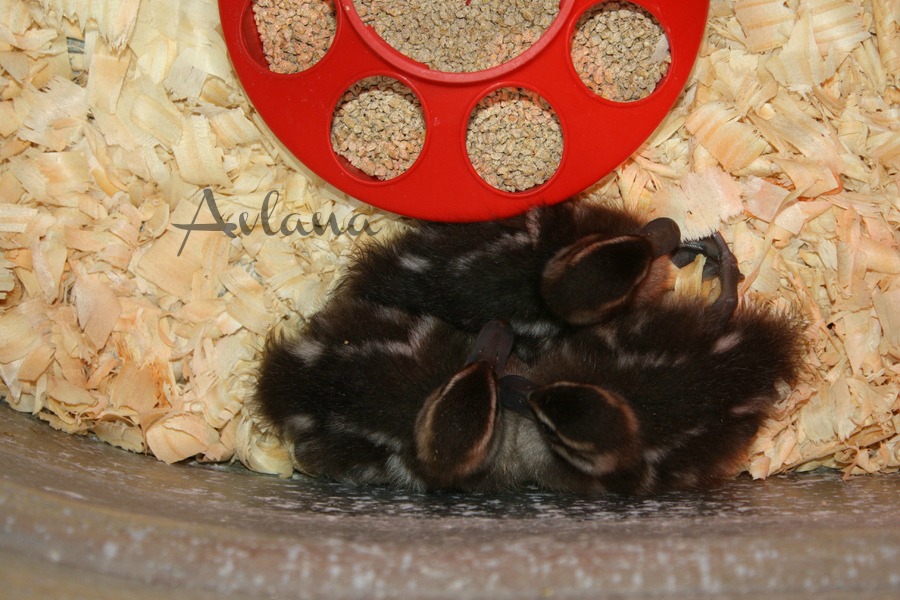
[514,139]
[378,127]
[459,37]
[620,51]
[295,34]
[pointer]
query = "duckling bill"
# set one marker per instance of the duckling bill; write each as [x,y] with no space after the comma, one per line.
[534,350]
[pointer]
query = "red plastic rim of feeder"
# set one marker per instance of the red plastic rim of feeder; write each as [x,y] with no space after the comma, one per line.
[442,185]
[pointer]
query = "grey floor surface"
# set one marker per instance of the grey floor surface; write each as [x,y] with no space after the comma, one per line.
[84,520]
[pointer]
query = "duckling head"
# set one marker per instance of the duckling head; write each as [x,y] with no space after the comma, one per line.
[591,428]
[456,428]
[585,281]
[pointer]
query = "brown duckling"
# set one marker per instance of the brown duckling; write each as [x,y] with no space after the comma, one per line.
[370,394]
[665,396]
[543,272]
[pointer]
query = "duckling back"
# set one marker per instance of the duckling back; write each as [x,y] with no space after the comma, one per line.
[346,390]
[700,387]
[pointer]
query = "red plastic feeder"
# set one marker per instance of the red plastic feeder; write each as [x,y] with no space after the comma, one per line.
[598,134]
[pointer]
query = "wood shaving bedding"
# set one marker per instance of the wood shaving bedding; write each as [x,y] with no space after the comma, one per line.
[787,131]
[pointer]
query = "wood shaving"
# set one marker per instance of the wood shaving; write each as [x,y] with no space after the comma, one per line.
[105,329]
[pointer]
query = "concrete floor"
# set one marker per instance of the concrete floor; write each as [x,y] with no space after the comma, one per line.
[84,520]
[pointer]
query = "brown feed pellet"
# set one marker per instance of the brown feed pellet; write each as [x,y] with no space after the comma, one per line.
[620,51]
[514,139]
[378,127]
[295,34]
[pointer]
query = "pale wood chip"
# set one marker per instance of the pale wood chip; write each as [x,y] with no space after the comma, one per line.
[732,142]
[15,218]
[180,435]
[262,452]
[98,308]
[198,158]
[887,307]
[120,434]
[766,23]
[798,65]
[54,116]
[701,203]
[107,76]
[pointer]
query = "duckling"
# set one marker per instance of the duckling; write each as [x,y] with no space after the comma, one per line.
[666,396]
[589,434]
[579,377]
[369,394]
[456,428]
[553,268]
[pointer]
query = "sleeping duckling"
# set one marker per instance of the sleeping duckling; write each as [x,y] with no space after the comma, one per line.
[688,384]
[555,267]
[370,394]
